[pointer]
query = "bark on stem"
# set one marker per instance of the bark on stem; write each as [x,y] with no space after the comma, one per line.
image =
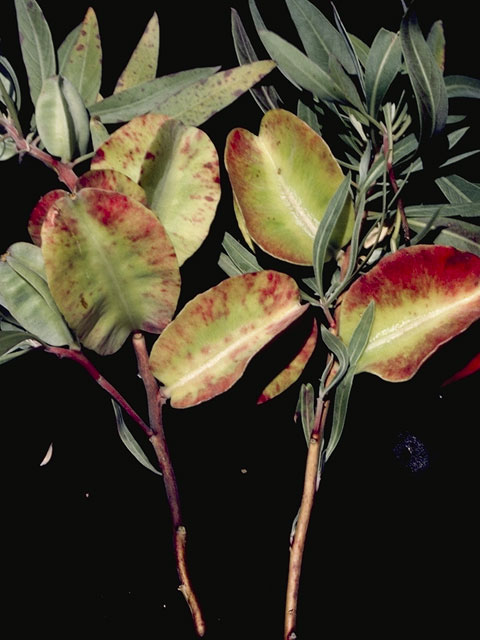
[298,544]
[80,358]
[156,400]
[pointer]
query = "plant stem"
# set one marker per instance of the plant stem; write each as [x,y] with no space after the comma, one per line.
[78,356]
[393,181]
[298,544]
[63,169]
[156,400]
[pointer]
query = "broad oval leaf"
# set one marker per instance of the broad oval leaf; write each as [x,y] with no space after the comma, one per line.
[283,180]
[112,180]
[110,266]
[206,349]
[142,66]
[36,44]
[39,213]
[83,61]
[293,370]
[180,175]
[53,120]
[125,149]
[424,296]
[25,293]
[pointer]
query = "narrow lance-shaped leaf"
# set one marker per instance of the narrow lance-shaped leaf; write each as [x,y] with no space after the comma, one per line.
[272,176]
[424,295]
[295,64]
[452,233]
[436,42]
[198,102]
[383,64]
[130,442]
[319,37]
[36,44]
[306,410]
[180,175]
[290,374]
[266,97]
[142,66]
[110,266]
[208,346]
[457,190]
[425,76]
[82,63]
[462,87]
[146,97]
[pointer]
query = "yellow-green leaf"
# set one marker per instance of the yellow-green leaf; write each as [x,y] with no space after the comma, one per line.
[283,180]
[208,346]
[142,66]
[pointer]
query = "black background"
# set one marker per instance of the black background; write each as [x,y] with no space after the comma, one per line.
[88,543]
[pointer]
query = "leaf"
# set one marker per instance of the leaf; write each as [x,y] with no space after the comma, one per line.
[243,259]
[355,349]
[346,86]
[425,76]
[462,87]
[146,97]
[208,346]
[130,442]
[98,132]
[309,116]
[361,49]
[198,102]
[40,211]
[272,176]
[24,292]
[65,49]
[319,37]
[457,190]
[111,180]
[82,63]
[466,210]
[293,370]
[110,266]
[307,410]
[295,64]
[336,346]
[323,247]
[9,79]
[436,42]
[126,148]
[61,118]
[266,97]
[142,66]
[10,340]
[36,45]
[424,296]
[180,175]
[383,64]
[452,233]
[469,369]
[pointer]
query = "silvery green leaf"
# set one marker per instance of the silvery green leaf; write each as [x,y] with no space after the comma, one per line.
[241,257]
[308,115]
[306,409]
[10,81]
[454,233]
[466,210]
[425,76]
[457,190]
[265,96]
[345,84]
[319,37]
[459,157]
[361,49]
[462,87]
[455,137]
[98,132]
[436,42]
[227,265]
[325,229]
[67,46]
[336,346]
[147,97]
[130,442]
[36,45]
[382,66]
[350,48]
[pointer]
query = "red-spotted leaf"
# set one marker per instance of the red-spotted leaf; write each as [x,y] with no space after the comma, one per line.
[40,211]
[110,266]
[283,180]
[424,296]
[111,180]
[293,371]
[206,349]
[180,175]
[125,149]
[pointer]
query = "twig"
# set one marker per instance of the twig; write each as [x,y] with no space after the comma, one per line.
[393,181]
[78,356]
[298,544]
[155,402]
